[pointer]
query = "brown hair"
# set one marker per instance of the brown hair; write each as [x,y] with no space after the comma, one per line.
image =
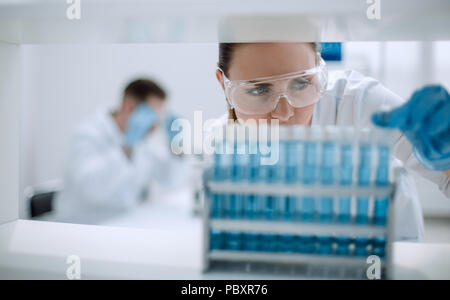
[141,89]
[225,56]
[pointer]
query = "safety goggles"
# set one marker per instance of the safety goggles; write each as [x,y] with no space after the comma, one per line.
[261,95]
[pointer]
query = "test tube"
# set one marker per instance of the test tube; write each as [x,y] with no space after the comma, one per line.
[251,242]
[343,245]
[273,175]
[222,172]
[381,203]
[325,245]
[217,205]
[287,243]
[240,163]
[309,172]
[346,173]
[254,203]
[306,244]
[290,145]
[379,246]
[222,161]
[364,171]
[216,240]
[239,175]
[361,244]
[327,173]
[296,155]
[292,154]
[233,241]
[269,243]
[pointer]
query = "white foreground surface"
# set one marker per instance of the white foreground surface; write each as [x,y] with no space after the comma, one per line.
[167,246]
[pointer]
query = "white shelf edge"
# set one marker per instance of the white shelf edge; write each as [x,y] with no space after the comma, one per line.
[299,189]
[296,228]
[290,258]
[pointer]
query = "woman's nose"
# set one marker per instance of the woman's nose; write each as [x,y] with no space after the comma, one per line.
[283,111]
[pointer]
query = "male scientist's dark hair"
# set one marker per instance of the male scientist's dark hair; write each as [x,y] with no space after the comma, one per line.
[141,89]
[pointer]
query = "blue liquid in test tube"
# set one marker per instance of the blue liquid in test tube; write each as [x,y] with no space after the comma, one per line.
[273,175]
[290,207]
[382,203]
[222,172]
[309,178]
[362,209]
[233,241]
[306,244]
[239,167]
[254,203]
[327,178]
[251,242]
[325,245]
[287,243]
[291,176]
[217,205]
[381,208]
[292,161]
[222,163]
[346,178]
[379,246]
[343,245]
[234,206]
[269,243]
[250,208]
[216,240]
[361,244]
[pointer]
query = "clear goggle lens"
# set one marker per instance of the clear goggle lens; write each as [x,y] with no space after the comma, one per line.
[261,96]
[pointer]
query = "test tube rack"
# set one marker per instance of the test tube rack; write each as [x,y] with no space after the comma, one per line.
[321,210]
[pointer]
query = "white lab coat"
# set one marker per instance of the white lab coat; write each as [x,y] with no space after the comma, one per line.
[350,100]
[101,182]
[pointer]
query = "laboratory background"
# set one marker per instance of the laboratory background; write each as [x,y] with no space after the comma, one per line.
[63,85]
[75,80]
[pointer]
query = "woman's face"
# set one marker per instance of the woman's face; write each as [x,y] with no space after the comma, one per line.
[256,60]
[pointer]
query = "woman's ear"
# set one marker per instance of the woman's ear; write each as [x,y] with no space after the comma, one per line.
[219,77]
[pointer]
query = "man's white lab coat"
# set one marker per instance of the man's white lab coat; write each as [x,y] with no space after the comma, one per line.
[100,181]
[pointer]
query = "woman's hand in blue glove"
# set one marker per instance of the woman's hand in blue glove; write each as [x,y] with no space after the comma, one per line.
[425,121]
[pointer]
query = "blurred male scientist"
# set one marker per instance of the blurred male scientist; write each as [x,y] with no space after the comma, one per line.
[114,156]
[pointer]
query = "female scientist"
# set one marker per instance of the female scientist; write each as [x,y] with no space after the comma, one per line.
[289,82]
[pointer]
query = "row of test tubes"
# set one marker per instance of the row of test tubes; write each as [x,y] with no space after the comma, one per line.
[360,246]
[323,158]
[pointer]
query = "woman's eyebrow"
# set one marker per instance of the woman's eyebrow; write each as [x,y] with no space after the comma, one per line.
[305,78]
[260,84]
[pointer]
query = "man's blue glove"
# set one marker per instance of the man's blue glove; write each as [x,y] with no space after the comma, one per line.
[170,118]
[140,122]
[425,121]
[168,121]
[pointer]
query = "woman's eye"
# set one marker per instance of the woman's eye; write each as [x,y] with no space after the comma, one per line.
[258,91]
[300,84]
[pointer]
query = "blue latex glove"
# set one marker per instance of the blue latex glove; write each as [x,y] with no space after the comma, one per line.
[171,133]
[141,120]
[425,121]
